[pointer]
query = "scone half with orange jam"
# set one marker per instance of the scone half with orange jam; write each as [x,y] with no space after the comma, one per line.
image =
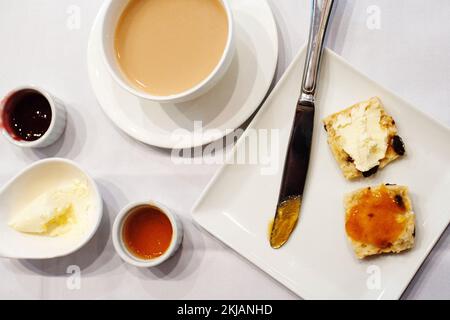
[379,220]
[363,138]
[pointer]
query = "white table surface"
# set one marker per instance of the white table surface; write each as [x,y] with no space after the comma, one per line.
[41,44]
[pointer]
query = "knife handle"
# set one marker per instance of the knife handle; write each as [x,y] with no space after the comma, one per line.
[319,21]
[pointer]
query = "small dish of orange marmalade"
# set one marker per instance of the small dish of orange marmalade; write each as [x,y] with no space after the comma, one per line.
[145,234]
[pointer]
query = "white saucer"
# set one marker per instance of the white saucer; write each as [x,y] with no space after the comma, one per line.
[220,111]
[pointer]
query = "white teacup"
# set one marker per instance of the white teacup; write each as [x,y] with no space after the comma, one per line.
[110,18]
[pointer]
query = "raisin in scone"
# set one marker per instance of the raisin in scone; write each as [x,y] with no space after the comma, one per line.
[379,220]
[363,138]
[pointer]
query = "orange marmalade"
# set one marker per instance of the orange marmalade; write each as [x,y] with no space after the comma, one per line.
[147,232]
[377,218]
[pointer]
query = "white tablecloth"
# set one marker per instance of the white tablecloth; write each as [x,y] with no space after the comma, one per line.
[402,44]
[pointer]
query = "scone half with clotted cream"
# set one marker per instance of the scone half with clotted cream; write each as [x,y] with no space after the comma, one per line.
[363,138]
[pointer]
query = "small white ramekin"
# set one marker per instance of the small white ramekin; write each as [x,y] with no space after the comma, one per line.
[121,248]
[110,18]
[57,124]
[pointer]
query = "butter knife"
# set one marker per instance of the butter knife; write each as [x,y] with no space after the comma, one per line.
[299,147]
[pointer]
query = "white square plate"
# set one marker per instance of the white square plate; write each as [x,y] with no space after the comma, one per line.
[318,262]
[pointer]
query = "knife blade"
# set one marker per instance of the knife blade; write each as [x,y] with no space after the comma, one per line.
[300,141]
[294,175]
